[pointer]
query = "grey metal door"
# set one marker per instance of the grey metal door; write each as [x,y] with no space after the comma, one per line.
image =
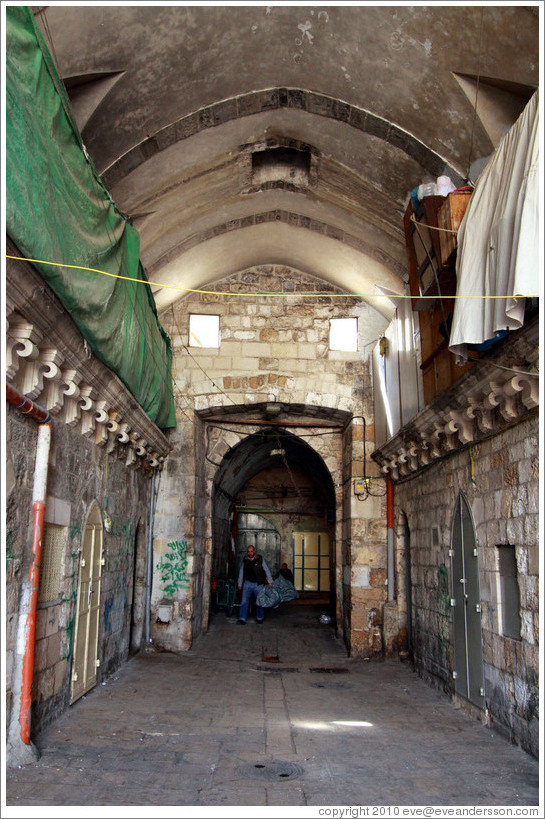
[468,648]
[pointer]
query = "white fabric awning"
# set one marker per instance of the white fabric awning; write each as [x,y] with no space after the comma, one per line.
[498,240]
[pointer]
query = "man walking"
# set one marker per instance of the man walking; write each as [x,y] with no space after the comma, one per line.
[253,575]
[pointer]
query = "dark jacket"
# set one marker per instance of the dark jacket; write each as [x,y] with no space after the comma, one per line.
[254,568]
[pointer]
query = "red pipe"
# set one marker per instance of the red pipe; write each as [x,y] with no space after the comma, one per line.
[28,407]
[25,405]
[390,537]
[38,509]
[389,503]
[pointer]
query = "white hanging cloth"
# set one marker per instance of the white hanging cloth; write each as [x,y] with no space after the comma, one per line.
[498,240]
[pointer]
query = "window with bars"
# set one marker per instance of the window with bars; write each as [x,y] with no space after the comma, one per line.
[54,542]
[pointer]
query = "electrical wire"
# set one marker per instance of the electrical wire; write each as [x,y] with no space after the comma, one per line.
[509,369]
[196,362]
[254,295]
[476,95]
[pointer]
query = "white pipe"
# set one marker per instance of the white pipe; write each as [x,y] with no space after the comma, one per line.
[21,749]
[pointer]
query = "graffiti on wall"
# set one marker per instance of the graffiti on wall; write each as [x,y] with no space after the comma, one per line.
[173,568]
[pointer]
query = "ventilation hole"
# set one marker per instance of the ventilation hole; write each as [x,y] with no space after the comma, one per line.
[281,164]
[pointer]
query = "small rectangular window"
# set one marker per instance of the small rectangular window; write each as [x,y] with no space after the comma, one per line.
[204,331]
[343,334]
[508,592]
[54,541]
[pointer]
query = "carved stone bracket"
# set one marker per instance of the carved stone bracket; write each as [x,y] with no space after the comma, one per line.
[64,386]
[482,403]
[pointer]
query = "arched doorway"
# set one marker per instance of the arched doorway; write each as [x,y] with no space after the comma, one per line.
[274,476]
[86,629]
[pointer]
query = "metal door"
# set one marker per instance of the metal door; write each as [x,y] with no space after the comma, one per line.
[468,649]
[85,663]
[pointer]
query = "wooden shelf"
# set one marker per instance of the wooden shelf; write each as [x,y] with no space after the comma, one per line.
[432,273]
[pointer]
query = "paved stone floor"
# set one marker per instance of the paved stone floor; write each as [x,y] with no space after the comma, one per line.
[268,715]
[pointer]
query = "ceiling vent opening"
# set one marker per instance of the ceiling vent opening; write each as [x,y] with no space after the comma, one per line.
[289,166]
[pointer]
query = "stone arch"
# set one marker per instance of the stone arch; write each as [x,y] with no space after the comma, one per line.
[248,454]
[267,99]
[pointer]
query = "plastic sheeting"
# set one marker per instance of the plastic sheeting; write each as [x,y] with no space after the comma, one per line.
[281,591]
[58,210]
[498,240]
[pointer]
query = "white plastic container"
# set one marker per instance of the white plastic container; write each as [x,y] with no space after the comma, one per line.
[444,186]
[426,189]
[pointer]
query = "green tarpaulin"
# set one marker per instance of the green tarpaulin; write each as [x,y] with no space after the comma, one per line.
[58,210]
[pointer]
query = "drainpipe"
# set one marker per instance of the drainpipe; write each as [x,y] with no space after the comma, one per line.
[149,561]
[26,637]
[390,536]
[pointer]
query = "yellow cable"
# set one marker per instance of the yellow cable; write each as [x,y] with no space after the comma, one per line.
[256,295]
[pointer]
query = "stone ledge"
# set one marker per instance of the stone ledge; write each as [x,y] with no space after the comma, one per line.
[482,403]
[48,361]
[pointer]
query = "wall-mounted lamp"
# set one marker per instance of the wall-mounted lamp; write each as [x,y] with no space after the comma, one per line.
[383,346]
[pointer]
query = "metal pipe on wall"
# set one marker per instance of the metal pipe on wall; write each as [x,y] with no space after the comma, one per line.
[149,562]
[38,509]
[390,537]
[26,639]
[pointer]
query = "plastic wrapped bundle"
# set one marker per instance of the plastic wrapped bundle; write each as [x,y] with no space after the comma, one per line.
[281,591]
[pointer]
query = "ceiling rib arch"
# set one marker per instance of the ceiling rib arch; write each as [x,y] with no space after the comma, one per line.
[256,102]
[286,217]
[276,242]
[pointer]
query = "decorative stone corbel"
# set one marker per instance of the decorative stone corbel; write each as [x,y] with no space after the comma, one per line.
[53,396]
[70,388]
[123,433]
[86,403]
[102,419]
[22,343]
[460,422]
[525,386]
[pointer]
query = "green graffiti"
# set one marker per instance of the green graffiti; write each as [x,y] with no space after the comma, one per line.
[173,568]
[74,531]
[9,543]
[72,599]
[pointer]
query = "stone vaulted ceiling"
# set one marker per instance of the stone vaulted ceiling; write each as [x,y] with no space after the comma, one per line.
[240,135]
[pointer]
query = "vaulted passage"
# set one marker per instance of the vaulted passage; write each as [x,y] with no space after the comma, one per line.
[279,478]
[273,280]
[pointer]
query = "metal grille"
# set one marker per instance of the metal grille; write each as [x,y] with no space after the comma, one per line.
[53,543]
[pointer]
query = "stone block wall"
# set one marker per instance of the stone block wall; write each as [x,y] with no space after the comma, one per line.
[272,350]
[76,478]
[504,505]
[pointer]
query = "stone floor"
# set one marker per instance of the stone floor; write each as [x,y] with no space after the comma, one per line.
[268,715]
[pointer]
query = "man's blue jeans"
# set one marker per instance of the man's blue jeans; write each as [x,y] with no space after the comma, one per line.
[250,589]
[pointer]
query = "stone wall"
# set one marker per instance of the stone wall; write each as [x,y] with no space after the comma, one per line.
[272,349]
[504,505]
[76,478]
